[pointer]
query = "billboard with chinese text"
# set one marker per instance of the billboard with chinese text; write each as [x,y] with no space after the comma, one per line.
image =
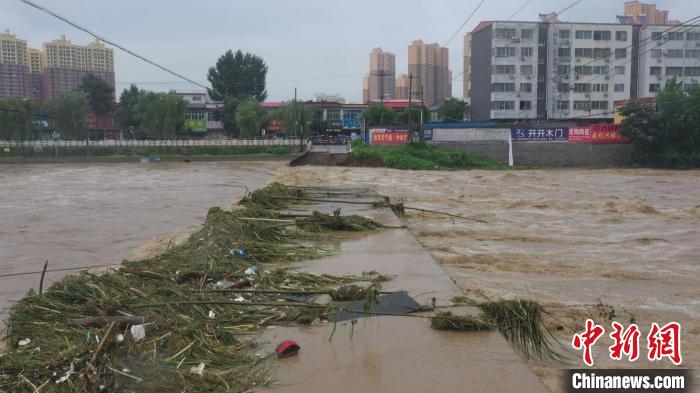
[383,136]
[540,134]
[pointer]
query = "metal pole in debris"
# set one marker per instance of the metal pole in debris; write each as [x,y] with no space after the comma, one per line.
[43,273]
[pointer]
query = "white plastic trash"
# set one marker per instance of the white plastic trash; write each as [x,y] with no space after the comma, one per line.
[138,332]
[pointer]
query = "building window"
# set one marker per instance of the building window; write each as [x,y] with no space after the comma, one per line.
[564,52]
[196,98]
[563,105]
[564,34]
[583,70]
[599,105]
[692,54]
[620,70]
[582,87]
[502,87]
[507,51]
[674,71]
[675,36]
[526,34]
[506,33]
[619,87]
[503,105]
[504,69]
[674,53]
[562,87]
[525,105]
[692,71]
[654,71]
[600,70]
[563,70]
[526,51]
[526,69]
[693,36]
[582,105]
[621,35]
[526,87]
[656,53]
[583,52]
[656,36]
[599,88]
[599,53]
[601,35]
[584,34]
[654,87]
[621,53]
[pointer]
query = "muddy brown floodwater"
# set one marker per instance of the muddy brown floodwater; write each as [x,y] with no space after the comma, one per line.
[564,237]
[84,215]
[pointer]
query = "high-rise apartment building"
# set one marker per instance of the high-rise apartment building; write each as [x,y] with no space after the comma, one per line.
[15,79]
[365,88]
[61,66]
[466,71]
[403,83]
[429,64]
[637,13]
[65,65]
[545,71]
[382,75]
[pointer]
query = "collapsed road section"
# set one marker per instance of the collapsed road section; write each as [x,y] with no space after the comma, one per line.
[342,294]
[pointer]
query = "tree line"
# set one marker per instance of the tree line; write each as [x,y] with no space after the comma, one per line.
[665,133]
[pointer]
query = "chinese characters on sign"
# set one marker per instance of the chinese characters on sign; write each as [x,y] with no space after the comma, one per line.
[597,133]
[388,137]
[540,134]
[662,342]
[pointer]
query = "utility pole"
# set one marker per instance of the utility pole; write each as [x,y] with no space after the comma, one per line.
[296,121]
[421,137]
[381,86]
[410,88]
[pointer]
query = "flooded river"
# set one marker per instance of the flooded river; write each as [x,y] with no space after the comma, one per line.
[568,238]
[84,215]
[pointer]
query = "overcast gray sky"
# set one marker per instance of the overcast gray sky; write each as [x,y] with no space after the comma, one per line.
[315,45]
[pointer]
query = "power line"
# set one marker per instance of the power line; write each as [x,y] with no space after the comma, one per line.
[102,38]
[465,23]
[519,9]
[572,5]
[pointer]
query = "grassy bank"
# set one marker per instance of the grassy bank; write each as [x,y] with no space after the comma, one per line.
[418,157]
[172,151]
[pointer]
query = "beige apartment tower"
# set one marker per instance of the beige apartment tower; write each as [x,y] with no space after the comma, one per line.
[429,64]
[466,71]
[15,79]
[65,65]
[382,74]
[647,14]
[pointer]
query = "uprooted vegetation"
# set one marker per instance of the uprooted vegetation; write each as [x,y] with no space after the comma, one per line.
[187,320]
[198,300]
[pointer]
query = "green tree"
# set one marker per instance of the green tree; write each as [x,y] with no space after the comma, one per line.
[100,93]
[452,110]
[668,134]
[379,113]
[296,118]
[412,114]
[249,118]
[238,75]
[68,112]
[126,114]
[228,114]
[161,115]
[317,125]
[17,119]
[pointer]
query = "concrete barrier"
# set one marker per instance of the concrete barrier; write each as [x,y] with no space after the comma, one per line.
[550,154]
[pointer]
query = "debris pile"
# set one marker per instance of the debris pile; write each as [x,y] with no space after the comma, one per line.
[174,322]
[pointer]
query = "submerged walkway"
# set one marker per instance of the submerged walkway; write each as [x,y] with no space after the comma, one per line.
[394,354]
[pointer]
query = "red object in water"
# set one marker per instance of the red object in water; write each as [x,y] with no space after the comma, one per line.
[287,348]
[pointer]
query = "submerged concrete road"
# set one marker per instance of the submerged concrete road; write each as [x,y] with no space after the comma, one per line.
[394,354]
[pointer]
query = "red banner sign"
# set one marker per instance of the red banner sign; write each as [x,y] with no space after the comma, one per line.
[607,133]
[597,133]
[389,138]
[579,134]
